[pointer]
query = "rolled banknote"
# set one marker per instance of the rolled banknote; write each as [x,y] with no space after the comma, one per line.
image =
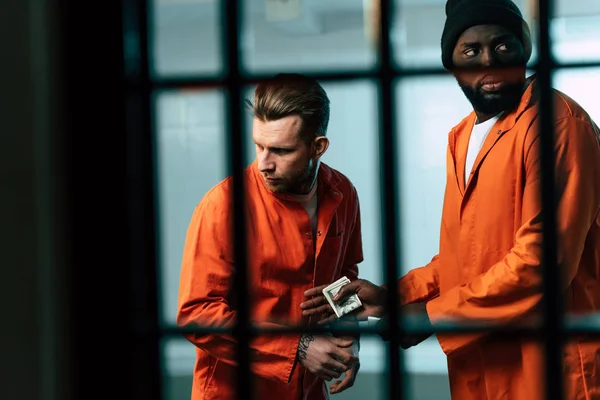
[345,305]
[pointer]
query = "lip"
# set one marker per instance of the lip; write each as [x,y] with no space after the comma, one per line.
[271,180]
[492,87]
[492,83]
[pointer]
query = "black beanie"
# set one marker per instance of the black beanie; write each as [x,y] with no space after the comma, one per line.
[463,14]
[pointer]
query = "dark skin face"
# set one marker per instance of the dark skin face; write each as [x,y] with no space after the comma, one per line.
[490,65]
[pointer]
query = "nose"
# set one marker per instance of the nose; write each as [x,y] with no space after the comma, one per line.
[265,163]
[488,58]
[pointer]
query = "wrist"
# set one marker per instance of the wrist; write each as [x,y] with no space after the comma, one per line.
[303,345]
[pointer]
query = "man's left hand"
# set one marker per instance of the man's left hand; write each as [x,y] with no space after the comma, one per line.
[349,376]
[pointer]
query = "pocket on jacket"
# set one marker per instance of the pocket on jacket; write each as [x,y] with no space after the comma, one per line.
[588,358]
[220,384]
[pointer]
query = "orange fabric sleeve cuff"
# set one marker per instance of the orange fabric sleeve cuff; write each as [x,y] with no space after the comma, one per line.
[449,342]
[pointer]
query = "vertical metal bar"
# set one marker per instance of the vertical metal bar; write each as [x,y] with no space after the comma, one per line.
[143,264]
[552,299]
[389,196]
[231,13]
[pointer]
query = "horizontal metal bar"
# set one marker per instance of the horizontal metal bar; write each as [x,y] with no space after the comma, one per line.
[510,332]
[216,81]
[573,325]
[570,65]
[207,81]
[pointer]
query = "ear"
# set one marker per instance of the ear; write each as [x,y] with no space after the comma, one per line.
[320,146]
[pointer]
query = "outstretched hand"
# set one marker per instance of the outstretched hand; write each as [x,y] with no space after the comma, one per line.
[371,296]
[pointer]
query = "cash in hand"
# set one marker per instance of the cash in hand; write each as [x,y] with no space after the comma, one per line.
[345,305]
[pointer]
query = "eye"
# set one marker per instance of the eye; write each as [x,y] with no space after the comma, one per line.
[470,52]
[503,48]
[281,151]
[258,147]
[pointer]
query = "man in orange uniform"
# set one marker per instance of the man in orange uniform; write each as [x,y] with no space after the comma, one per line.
[303,230]
[489,264]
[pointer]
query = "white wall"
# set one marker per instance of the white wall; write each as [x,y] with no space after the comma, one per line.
[192,154]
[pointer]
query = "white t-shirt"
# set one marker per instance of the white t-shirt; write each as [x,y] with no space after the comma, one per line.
[478,135]
[309,202]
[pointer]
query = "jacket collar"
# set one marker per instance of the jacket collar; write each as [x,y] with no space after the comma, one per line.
[528,98]
[504,124]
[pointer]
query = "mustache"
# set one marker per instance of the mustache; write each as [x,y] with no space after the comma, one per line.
[504,99]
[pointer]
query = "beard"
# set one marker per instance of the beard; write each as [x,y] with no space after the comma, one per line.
[297,182]
[505,98]
[493,102]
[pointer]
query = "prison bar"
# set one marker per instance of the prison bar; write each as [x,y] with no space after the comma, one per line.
[143,299]
[230,12]
[389,195]
[552,298]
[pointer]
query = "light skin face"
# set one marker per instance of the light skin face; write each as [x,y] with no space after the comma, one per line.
[497,61]
[287,162]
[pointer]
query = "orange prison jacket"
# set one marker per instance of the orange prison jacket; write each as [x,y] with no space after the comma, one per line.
[284,260]
[489,262]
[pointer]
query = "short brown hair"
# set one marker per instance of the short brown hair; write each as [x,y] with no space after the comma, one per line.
[293,94]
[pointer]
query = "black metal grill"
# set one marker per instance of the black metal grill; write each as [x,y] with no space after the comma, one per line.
[141,85]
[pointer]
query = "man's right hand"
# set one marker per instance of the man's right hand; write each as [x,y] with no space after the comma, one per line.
[372,297]
[325,356]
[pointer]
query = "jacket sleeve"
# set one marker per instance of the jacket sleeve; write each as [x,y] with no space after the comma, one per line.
[420,284]
[511,289]
[206,297]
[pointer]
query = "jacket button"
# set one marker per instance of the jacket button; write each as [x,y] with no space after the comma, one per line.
[319,233]
[307,233]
